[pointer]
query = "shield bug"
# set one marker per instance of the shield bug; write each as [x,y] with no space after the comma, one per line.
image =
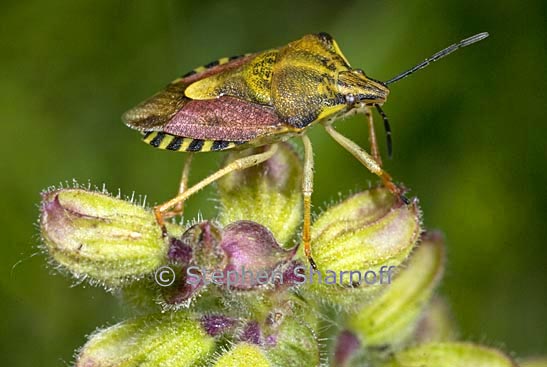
[262,98]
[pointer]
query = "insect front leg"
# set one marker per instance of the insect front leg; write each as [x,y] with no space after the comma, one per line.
[307,190]
[160,211]
[367,160]
[179,208]
[372,137]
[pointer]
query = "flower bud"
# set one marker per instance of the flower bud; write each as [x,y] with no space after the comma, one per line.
[141,296]
[252,254]
[390,318]
[171,339]
[242,256]
[292,343]
[199,245]
[269,193]
[353,241]
[243,354]
[450,355]
[192,258]
[216,324]
[347,349]
[99,237]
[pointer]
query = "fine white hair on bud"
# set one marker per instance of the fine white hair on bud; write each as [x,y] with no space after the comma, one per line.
[169,339]
[235,291]
[391,318]
[356,242]
[104,239]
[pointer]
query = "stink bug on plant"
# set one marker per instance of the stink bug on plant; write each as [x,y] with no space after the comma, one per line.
[262,98]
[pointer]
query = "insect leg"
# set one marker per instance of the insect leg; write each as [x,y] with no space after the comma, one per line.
[307,190]
[372,137]
[367,160]
[238,164]
[179,208]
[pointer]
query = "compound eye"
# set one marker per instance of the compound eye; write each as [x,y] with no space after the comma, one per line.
[350,99]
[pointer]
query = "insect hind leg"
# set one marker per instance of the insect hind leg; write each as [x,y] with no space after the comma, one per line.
[161,211]
[307,190]
[179,208]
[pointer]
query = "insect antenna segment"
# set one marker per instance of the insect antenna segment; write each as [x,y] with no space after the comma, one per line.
[387,128]
[439,55]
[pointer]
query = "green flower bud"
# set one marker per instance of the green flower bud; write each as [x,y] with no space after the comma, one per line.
[450,355]
[293,343]
[437,324]
[101,238]
[269,193]
[141,296]
[392,316]
[171,339]
[243,354]
[355,240]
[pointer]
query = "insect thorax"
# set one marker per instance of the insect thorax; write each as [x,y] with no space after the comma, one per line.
[304,80]
[298,80]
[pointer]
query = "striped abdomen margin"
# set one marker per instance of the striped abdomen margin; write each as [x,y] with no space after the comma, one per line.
[162,140]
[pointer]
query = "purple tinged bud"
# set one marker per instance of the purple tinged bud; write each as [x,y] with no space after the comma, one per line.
[271,340]
[179,252]
[101,238]
[251,333]
[204,241]
[216,325]
[268,193]
[294,273]
[181,293]
[252,253]
[197,248]
[346,347]
[242,256]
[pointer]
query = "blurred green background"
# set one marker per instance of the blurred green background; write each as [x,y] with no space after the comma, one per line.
[469,139]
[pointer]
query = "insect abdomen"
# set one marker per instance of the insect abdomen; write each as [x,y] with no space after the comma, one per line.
[162,140]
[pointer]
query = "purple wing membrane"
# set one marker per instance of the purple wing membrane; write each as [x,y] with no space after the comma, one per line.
[224,118]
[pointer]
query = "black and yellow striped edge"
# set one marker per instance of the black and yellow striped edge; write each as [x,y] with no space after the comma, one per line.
[221,61]
[162,140]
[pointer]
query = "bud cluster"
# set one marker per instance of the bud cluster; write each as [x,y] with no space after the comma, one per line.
[238,291]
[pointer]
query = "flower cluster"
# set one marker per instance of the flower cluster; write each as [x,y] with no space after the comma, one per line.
[237,290]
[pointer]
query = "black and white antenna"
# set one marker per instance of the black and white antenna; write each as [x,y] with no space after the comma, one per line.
[439,55]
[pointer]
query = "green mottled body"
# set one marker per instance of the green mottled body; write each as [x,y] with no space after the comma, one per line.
[255,99]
